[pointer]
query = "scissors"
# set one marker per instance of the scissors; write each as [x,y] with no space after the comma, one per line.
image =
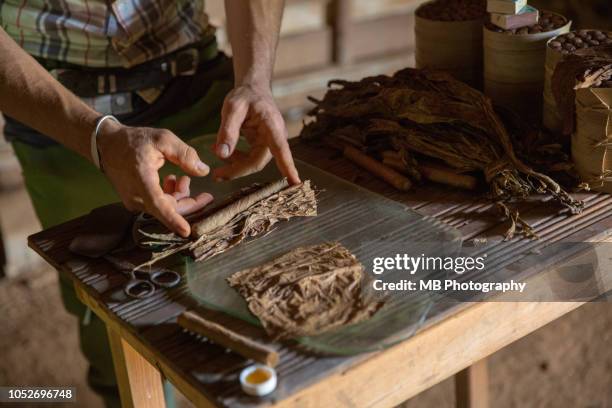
[143,284]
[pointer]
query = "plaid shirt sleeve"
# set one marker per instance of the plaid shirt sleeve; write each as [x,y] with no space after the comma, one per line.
[97,33]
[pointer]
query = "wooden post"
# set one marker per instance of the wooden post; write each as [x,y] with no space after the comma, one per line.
[140,383]
[341,23]
[472,386]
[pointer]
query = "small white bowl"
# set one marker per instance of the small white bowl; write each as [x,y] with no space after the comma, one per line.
[260,388]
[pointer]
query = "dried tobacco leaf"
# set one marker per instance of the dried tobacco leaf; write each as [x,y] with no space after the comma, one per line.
[306,291]
[431,114]
[248,216]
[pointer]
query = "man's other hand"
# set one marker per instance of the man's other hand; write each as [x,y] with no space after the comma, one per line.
[131,158]
[251,110]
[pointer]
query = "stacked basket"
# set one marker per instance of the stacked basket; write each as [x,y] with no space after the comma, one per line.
[514,54]
[449,37]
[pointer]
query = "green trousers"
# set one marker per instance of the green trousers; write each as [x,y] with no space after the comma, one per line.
[63,185]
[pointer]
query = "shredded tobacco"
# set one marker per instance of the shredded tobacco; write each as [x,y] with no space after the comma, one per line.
[431,114]
[306,291]
[250,215]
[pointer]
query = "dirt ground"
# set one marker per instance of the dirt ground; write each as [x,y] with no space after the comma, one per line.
[566,364]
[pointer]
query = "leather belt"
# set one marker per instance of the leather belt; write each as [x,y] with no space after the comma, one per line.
[91,82]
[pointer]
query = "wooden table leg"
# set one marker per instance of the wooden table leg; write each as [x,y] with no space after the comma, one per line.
[472,386]
[140,383]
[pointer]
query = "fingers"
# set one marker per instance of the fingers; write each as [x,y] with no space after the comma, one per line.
[232,116]
[180,153]
[279,146]
[241,164]
[182,188]
[190,205]
[180,191]
[169,184]
[163,207]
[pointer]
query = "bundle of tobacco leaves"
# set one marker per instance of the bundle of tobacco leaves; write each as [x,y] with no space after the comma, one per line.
[306,291]
[586,68]
[249,214]
[431,114]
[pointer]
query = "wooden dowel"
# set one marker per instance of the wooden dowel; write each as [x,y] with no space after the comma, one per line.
[236,342]
[378,169]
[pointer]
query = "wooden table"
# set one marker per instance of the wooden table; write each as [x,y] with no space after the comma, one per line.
[148,345]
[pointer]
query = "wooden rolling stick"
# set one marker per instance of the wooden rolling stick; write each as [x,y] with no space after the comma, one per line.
[225,337]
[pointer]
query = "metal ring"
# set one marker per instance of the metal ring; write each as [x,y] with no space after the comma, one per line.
[139,288]
[165,278]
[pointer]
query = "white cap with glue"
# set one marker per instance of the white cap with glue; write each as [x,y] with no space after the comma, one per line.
[258,380]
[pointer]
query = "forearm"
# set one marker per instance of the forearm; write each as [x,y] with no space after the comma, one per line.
[29,94]
[253,28]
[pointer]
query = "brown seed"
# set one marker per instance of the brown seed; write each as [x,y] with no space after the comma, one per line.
[556,44]
[577,41]
[562,39]
[594,43]
[570,36]
[599,36]
[570,47]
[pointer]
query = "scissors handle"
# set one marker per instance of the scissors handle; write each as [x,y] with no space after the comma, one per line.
[165,278]
[139,288]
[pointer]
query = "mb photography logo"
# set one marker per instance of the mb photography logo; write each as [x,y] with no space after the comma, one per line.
[398,273]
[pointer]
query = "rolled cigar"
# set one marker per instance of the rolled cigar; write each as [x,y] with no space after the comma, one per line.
[392,155]
[225,337]
[440,174]
[227,213]
[377,168]
[395,164]
[433,172]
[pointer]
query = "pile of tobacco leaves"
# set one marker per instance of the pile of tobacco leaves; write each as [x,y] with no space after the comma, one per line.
[430,114]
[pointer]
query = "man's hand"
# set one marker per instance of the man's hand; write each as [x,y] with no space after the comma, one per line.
[131,158]
[251,110]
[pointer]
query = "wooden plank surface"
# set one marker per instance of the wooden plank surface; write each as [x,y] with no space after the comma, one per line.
[207,373]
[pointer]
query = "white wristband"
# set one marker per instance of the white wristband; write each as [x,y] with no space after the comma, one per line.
[95,155]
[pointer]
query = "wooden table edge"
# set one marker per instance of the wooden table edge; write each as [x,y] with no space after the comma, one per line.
[357,385]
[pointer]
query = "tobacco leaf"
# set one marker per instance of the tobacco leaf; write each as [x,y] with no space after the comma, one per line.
[248,216]
[429,113]
[306,291]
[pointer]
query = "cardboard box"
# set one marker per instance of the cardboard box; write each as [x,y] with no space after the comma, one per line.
[526,17]
[505,6]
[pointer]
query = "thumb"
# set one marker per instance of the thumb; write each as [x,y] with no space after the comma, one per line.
[232,116]
[181,154]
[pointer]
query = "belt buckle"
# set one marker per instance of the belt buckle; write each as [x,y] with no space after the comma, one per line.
[185,62]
